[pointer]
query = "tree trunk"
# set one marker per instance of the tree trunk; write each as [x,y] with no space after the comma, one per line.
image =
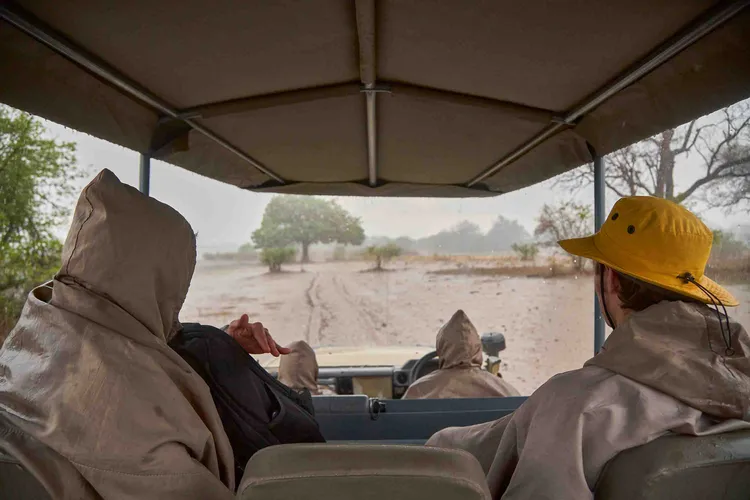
[666,163]
[664,187]
[305,252]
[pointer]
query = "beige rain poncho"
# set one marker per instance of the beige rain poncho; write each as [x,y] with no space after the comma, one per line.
[460,375]
[298,370]
[92,400]
[662,370]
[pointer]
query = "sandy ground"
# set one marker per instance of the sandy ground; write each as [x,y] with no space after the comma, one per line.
[548,324]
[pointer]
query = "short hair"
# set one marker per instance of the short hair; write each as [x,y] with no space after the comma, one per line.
[637,295]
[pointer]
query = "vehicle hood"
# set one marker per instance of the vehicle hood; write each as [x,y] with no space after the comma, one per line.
[337,356]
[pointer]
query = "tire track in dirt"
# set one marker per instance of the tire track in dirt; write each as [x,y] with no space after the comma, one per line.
[311,305]
[320,315]
[367,314]
[325,314]
[337,316]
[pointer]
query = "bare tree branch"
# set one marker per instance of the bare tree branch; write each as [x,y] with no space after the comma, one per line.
[721,143]
[714,176]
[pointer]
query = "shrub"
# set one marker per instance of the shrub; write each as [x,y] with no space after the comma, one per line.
[526,251]
[383,253]
[275,257]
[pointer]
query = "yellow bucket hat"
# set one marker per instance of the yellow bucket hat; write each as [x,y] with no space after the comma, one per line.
[656,241]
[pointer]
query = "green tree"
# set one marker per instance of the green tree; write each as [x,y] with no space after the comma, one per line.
[383,253]
[36,183]
[275,257]
[306,220]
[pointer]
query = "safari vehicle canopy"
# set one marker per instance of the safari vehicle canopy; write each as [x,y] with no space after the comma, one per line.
[386,98]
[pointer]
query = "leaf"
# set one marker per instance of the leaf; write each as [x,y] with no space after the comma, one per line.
[37,177]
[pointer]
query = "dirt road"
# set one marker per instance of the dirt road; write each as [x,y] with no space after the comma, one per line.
[547,323]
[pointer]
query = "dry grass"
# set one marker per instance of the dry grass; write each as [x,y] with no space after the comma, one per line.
[500,265]
[484,260]
[730,271]
[521,271]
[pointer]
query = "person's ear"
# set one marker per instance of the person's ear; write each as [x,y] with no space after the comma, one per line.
[613,281]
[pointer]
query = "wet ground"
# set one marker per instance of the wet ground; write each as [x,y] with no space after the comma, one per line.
[548,323]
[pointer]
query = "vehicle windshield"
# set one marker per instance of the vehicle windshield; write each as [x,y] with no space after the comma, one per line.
[370,281]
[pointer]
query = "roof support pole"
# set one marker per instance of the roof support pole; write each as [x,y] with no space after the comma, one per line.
[599,215]
[144,180]
[372,138]
[365,13]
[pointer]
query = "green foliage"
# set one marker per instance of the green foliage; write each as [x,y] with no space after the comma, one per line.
[36,177]
[526,251]
[306,220]
[564,221]
[383,253]
[275,257]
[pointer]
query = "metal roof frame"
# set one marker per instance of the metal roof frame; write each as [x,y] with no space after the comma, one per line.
[368,85]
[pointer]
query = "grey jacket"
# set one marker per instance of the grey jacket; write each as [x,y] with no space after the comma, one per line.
[92,400]
[663,370]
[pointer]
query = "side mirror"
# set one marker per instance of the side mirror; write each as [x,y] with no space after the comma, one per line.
[493,343]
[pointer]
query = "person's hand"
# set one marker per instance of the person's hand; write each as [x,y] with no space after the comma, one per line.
[254,337]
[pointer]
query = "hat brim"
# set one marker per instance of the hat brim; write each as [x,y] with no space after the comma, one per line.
[586,248]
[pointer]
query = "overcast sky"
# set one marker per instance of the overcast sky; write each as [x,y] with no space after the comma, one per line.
[224,216]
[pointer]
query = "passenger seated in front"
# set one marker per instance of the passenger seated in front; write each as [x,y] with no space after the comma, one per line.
[93,401]
[671,364]
[299,369]
[460,375]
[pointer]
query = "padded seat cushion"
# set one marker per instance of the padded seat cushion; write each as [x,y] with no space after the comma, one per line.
[362,472]
[680,467]
[16,483]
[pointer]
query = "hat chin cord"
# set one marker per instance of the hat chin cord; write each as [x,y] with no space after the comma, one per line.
[604,300]
[716,301]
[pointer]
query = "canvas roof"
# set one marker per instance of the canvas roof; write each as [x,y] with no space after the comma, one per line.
[278,95]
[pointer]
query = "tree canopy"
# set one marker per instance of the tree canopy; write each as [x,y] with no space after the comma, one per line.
[306,220]
[36,175]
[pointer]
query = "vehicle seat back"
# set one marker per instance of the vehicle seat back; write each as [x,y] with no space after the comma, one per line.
[363,472]
[680,467]
[17,483]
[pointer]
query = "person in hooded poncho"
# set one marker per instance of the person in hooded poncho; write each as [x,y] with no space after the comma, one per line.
[460,373]
[299,369]
[92,400]
[672,364]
